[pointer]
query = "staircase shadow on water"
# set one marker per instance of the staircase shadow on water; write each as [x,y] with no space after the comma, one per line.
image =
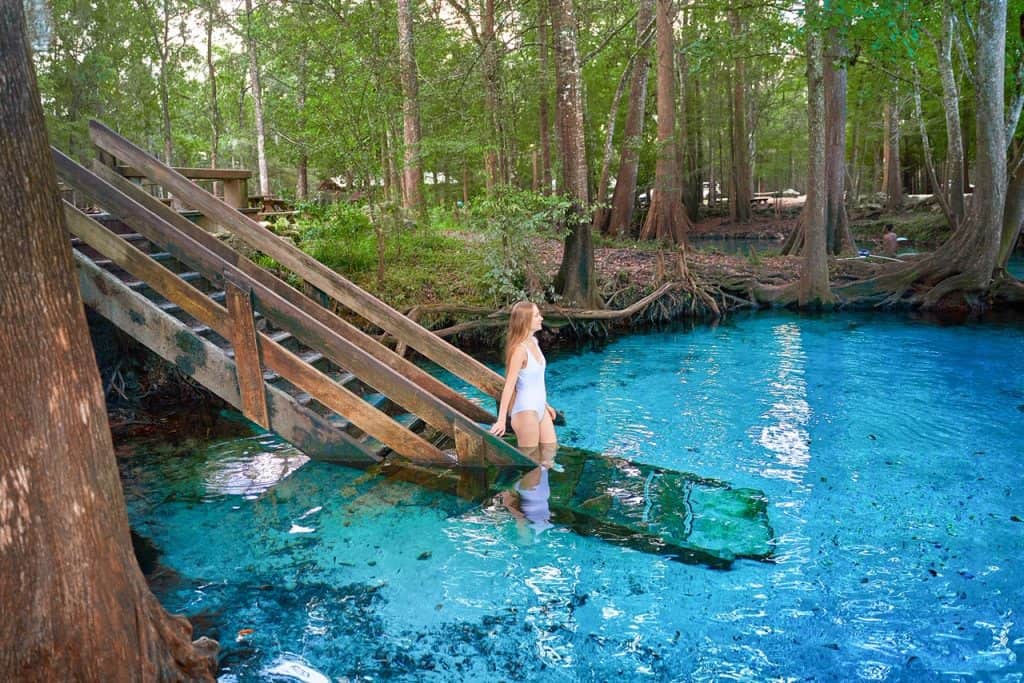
[689,518]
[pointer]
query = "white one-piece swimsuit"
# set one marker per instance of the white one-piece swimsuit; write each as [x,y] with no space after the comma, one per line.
[530,391]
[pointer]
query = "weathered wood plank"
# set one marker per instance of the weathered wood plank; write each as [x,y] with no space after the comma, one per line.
[342,401]
[174,342]
[306,267]
[288,365]
[306,328]
[195,173]
[325,316]
[139,264]
[470,448]
[247,353]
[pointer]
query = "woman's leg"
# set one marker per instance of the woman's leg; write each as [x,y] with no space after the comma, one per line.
[527,431]
[546,431]
[548,442]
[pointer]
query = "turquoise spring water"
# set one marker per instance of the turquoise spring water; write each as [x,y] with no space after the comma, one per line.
[889,450]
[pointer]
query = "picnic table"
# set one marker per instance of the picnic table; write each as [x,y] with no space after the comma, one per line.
[268,204]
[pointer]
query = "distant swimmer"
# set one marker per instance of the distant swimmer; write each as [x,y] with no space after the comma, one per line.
[890,241]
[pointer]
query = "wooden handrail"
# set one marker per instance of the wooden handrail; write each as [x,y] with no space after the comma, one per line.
[324,315]
[368,418]
[195,173]
[309,269]
[287,315]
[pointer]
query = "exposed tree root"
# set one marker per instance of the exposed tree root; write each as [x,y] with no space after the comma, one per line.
[686,296]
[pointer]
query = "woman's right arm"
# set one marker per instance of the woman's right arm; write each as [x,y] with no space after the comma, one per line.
[515,364]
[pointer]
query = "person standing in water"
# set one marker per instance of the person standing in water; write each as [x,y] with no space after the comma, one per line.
[532,417]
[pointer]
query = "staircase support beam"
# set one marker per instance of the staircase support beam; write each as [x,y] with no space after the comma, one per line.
[306,328]
[173,341]
[342,327]
[288,365]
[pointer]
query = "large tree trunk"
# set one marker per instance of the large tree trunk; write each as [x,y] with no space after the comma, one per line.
[839,238]
[892,177]
[257,101]
[813,288]
[951,107]
[620,220]
[492,100]
[302,165]
[740,190]
[693,180]
[1013,218]
[412,172]
[667,220]
[960,271]
[543,115]
[211,79]
[575,280]
[163,53]
[76,607]
[602,211]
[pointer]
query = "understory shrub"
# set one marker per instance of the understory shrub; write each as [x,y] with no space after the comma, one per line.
[510,222]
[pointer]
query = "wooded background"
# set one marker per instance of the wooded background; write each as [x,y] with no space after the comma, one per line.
[327,83]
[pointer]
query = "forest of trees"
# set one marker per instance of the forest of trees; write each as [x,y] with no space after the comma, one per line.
[430,103]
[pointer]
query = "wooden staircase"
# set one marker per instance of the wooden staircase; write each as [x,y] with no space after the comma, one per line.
[288,363]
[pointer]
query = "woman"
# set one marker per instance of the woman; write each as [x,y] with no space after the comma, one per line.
[532,417]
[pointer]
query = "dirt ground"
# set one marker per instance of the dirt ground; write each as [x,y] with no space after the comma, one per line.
[638,266]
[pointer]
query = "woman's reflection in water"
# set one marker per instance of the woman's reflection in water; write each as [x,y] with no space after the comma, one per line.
[528,499]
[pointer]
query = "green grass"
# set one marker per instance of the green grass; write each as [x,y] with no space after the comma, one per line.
[424,262]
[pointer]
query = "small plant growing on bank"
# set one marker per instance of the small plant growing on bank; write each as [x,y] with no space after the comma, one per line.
[511,221]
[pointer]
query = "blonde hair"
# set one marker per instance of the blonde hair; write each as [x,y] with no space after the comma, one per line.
[519,320]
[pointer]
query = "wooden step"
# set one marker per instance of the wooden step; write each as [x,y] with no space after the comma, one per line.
[190,276]
[279,336]
[309,357]
[173,308]
[343,379]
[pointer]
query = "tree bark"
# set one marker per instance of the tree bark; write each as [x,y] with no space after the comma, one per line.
[493,160]
[76,606]
[693,181]
[929,162]
[211,78]
[302,165]
[667,220]
[813,288]
[543,113]
[1013,218]
[602,211]
[740,190]
[257,101]
[839,238]
[951,107]
[892,178]
[412,172]
[575,280]
[620,220]
[163,53]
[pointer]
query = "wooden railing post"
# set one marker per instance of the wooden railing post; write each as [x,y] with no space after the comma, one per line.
[236,194]
[247,353]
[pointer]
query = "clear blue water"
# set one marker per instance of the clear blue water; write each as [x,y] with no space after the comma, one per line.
[890,452]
